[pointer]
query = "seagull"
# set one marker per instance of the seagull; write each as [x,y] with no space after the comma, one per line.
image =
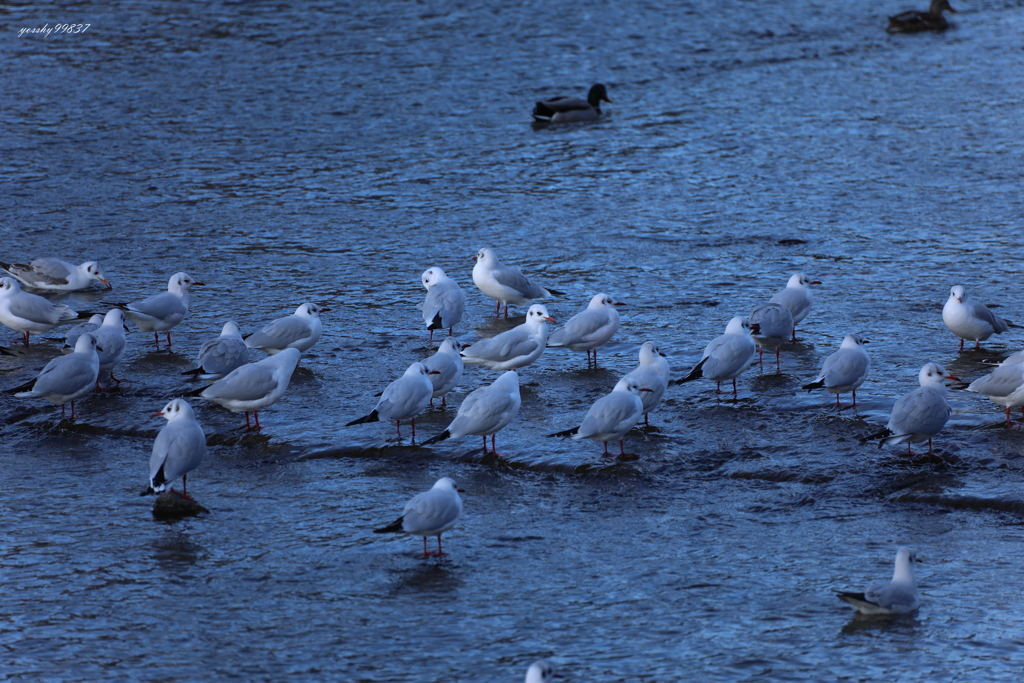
[541,672]
[968,319]
[300,330]
[796,297]
[160,312]
[590,328]
[572,109]
[221,355]
[484,411]
[844,370]
[515,348]
[1004,385]
[405,398]
[772,324]
[611,416]
[726,357]
[899,596]
[506,284]
[56,274]
[921,414]
[653,373]
[178,449]
[254,386]
[65,379]
[30,313]
[444,368]
[81,328]
[445,302]
[430,513]
[111,340]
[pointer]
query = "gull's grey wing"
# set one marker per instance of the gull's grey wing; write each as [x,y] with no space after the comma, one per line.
[447,300]
[247,383]
[983,313]
[610,413]
[220,355]
[65,375]
[922,411]
[580,329]
[178,448]
[1002,382]
[512,277]
[34,308]
[430,511]
[160,306]
[280,333]
[844,367]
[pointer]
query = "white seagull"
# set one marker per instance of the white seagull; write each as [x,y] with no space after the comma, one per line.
[540,672]
[160,312]
[611,416]
[30,313]
[484,411]
[111,342]
[653,373]
[921,414]
[56,274]
[968,319]
[65,379]
[253,387]
[445,302]
[796,297]
[81,328]
[300,330]
[515,348]
[899,596]
[178,449]
[506,284]
[727,356]
[444,369]
[844,370]
[1004,385]
[405,398]
[589,328]
[430,513]
[771,324]
[220,355]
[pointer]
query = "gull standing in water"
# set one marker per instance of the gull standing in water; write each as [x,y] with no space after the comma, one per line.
[30,313]
[899,596]
[921,414]
[300,330]
[65,379]
[611,416]
[253,387]
[727,356]
[111,342]
[772,324]
[56,274]
[844,370]
[445,302]
[796,297]
[161,312]
[405,398]
[221,355]
[485,411]
[430,513]
[1004,385]
[444,369]
[506,284]
[178,449]
[515,348]
[589,328]
[654,374]
[969,319]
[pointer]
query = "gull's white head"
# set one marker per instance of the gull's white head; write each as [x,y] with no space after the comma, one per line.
[230,329]
[649,353]
[630,385]
[959,293]
[738,325]
[450,345]
[602,300]
[933,373]
[87,344]
[431,276]
[114,318]
[182,282]
[540,672]
[176,409]
[310,310]
[538,314]
[487,256]
[9,284]
[92,269]
[853,341]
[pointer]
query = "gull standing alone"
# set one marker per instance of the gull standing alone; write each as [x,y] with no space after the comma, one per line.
[484,411]
[178,449]
[796,297]
[445,302]
[899,596]
[844,370]
[969,319]
[572,109]
[405,398]
[589,328]
[772,324]
[161,312]
[654,374]
[30,313]
[444,369]
[515,348]
[921,414]
[430,513]
[1004,385]
[300,330]
[221,355]
[253,387]
[611,416]
[727,356]
[505,284]
[56,274]
[65,379]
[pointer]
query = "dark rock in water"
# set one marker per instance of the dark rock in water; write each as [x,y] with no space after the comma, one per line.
[173,505]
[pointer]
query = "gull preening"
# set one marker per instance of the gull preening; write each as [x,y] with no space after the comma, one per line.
[969,319]
[1004,385]
[845,369]
[611,416]
[653,374]
[65,379]
[220,355]
[506,284]
[796,297]
[898,596]
[178,449]
[485,411]
[161,312]
[564,109]
[30,313]
[727,356]
[252,387]
[57,275]
[430,513]
[445,369]
[403,399]
[589,328]
[921,414]
[445,303]
[515,348]
[300,330]
[771,324]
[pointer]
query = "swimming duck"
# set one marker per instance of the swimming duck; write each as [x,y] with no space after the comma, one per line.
[571,109]
[913,21]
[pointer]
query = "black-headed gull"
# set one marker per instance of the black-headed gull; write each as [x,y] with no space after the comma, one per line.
[1004,385]
[515,348]
[727,356]
[300,330]
[220,355]
[57,274]
[589,328]
[485,411]
[611,416]
[968,319]
[66,379]
[506,284]
[403,399]
[30,313]
[445,302]
[898,596]
[253,387]
[430,513]
[111,341]
[654,374]
[563,109]
[540,672]
[445,368]
[161,312]
[921,414]
[178,449]
[771,324]
[81,328]
[796,297]
[844,370]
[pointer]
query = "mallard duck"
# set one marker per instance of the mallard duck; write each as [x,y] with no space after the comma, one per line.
[569,109]
[913,21]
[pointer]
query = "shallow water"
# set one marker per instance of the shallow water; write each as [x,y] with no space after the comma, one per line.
[331,154]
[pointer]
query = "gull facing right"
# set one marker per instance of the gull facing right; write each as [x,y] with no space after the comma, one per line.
[430,513]
[844,370]
[898,596]
[485,411]
[611,416]
[589,328]
[921,414]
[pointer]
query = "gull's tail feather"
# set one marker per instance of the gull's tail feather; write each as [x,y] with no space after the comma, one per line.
[696,373]
[372,417]
[394,527]
[814,385]
[567,432]
[440,437]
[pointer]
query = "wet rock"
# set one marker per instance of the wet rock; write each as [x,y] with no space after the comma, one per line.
[171,505]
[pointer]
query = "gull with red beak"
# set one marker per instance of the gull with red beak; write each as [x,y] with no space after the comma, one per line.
[178,449]
[969,319]
[611,416]
[161,312]
[589,328]
[515,348]
[405,398]
[300,330]
[921,414]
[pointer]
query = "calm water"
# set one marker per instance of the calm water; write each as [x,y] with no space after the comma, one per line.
[333,152]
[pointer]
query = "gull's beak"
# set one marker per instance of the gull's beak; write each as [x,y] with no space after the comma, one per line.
[952,377]
[434,372]
[324,310]
[815,282]
[549,319]
[645,389]
[159,413]
[106,282]
[99,348]
[755,328]
[197,282]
